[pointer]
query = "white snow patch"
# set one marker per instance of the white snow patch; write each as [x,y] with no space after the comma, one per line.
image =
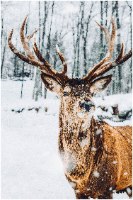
[93,149]
[81,114]
[111,100]
[96,174]
[110,189]
[108,102]
[125,173]
[69,161]
[98,132]
[114,162]
[84,142]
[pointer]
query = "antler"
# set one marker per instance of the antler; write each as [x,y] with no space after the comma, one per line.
[105,68]
[62,59]
[104,65]
[30,57]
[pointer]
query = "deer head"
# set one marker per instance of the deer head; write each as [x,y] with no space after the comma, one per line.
[76,94]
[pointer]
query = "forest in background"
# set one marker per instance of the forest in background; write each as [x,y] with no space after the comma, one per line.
[29,123]
[71,26]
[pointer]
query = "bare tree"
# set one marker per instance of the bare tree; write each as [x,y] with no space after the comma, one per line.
[3,44]
[119,76]
[85,38]
[101,32]
[37,90]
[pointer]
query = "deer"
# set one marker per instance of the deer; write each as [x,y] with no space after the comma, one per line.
[96,156]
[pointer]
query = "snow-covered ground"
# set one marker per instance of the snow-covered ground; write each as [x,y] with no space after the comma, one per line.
[31,167]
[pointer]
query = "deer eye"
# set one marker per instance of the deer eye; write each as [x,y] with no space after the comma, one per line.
[65,93]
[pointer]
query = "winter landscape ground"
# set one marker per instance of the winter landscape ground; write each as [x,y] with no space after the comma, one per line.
[31,167]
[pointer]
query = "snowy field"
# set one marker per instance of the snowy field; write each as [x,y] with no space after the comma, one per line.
[31,167]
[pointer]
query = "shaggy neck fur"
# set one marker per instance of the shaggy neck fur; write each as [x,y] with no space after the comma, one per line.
[78,144]
[89,157]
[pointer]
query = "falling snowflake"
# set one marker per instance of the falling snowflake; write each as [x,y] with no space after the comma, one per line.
[98,131]
[125,173]
[84,142]
[81,114]
[88,189]
[93,149]
[96,174]
[114,162]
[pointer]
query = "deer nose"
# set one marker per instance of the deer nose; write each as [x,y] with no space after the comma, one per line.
[86,105]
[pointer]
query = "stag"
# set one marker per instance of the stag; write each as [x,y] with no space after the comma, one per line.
[96,156]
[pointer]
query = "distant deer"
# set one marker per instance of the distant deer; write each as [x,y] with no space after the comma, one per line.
[96,156]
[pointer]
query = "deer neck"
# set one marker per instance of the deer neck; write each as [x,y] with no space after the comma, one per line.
[77,143]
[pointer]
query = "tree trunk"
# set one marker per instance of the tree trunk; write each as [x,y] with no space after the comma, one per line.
[85,37]
[37,91]
[78,48]
[101,33]
[3,57]
[74,52]
[79,32]
[114,69]
[22,85]
[130,48]
[21,94]
[119,88]
[45,8]
[106,12]
[49,35]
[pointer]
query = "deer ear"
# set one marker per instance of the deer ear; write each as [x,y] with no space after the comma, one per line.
[100,84]
[51,83]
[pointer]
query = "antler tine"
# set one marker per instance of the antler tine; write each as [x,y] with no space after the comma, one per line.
[121,54]
[110,41]
[37,58]
[14,50]
[107,36]
[108,66]
[40,57]
[24,42]
[30,58]
[31,36]
[61,77]
[20,55]
[62,60]
[113,36]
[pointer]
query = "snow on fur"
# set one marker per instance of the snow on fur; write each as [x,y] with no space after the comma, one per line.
[31,166]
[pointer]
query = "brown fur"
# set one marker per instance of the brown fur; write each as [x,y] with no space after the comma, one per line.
[103,164]
[112,159]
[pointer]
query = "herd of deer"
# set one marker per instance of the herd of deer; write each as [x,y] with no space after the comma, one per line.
[96,156]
